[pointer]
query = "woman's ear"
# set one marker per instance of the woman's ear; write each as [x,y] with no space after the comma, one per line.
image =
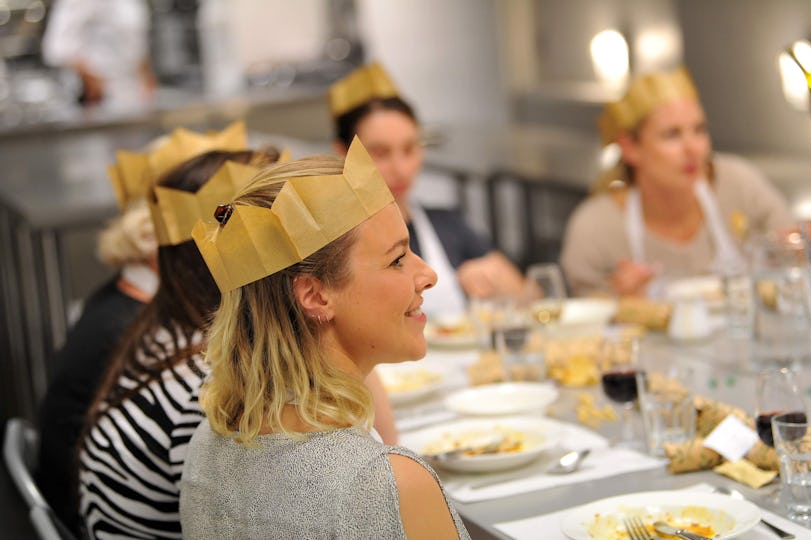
[629,149]
[312,296]
[339,147]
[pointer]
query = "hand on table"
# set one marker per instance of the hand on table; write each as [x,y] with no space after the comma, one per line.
[491,275]
[632,279]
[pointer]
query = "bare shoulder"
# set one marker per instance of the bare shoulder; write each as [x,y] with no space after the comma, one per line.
[423,509]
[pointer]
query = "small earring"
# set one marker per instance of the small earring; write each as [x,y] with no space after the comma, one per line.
[319,319]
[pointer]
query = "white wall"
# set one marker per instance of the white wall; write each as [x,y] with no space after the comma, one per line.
[731,46]
[443,55]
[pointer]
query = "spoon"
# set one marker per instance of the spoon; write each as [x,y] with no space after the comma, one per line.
[664,528]
[568,462]
[735,494]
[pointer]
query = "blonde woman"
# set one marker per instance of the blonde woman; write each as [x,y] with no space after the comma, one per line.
[326,289]
[677,210]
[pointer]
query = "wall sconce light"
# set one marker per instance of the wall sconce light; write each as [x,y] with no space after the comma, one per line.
[795,74]
[609,56]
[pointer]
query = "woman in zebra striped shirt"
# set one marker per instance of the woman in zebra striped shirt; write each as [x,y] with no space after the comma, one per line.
[132,452]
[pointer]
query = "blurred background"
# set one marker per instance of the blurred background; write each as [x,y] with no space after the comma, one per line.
[508,92]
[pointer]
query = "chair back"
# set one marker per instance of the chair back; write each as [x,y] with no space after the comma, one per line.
[20,454]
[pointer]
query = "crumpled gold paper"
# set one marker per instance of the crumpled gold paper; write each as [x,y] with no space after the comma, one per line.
[647,313]
[745,472]
[309,212]
[693,456]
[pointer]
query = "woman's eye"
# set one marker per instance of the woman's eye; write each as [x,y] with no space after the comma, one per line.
[398,262]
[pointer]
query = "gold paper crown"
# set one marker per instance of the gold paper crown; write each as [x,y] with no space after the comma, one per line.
[134,173]
[645,94]
[365,83]
[309,212]
[175,212]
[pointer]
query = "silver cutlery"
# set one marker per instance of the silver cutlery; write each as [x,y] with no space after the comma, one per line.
[568,463]
[484,445]
[636,529]
[664,528]
[735,494]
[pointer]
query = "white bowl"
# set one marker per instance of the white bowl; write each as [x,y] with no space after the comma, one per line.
[502,398]
[540,435]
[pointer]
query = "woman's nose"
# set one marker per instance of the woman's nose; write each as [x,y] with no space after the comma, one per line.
[426,277]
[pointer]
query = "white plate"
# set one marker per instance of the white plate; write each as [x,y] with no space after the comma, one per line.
[502,398]
[540,434]
[411,381]
[729,517]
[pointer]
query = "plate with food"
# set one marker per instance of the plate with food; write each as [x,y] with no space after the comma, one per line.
[502,399]
[708,514]
[484,445]
[450,331]
[410,381]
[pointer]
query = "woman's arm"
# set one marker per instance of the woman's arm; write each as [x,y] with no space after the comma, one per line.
[423,508]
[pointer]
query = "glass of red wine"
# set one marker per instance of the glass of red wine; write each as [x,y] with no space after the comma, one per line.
[618,367]
[777,393]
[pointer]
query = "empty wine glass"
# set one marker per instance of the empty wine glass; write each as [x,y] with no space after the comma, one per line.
[776,393]
[544,293]
[618,367]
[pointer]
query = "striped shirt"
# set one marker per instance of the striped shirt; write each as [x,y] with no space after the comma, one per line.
[132,458]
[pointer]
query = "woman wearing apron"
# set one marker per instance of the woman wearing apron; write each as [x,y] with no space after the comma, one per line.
[366,103]
[671,208]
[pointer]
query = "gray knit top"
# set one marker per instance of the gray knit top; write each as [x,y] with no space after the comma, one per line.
[333,484]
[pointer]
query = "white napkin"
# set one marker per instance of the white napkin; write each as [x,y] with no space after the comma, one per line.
[550,525]
[601,462]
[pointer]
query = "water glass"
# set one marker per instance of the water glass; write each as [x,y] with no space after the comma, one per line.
[739,305]
[520,353]
[544,293]
[792,440]
[781,296]
[668,412]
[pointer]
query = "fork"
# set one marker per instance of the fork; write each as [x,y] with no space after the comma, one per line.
[636,529]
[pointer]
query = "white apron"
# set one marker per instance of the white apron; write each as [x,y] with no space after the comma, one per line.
[727,255]
[446,296]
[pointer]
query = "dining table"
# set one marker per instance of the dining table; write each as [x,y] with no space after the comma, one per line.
[524,502]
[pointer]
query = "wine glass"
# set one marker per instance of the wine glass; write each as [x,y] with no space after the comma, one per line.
[618,367]
[544,293]
[776,393]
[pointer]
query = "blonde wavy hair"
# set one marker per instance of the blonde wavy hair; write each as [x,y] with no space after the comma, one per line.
[130,238]
[264,351]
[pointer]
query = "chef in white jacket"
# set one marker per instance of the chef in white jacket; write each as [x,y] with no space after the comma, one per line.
[106,42]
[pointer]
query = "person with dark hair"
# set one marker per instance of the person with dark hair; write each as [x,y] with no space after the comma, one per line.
[670,208]
[134,443]
[367,104]
[128,244]
[327,289]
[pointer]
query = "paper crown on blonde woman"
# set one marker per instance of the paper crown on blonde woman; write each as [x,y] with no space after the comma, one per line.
[642,97]
[363,84]
[175,212]
[134,173]
[309,212]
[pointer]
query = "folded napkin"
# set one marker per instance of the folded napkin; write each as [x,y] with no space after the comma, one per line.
[602,462]
[693,456]
[550,525]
